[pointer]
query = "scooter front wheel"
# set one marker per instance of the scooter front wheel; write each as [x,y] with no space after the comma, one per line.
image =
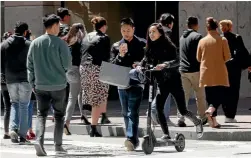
[180,138]
[147,146]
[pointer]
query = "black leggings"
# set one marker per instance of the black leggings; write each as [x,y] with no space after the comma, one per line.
[173,86]
[215,97]
[7,107]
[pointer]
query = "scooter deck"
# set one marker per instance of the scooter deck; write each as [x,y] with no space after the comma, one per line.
[160,143]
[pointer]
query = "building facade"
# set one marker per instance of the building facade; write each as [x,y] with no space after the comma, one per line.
[143,13]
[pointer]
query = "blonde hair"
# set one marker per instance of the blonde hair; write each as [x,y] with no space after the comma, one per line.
[226,25]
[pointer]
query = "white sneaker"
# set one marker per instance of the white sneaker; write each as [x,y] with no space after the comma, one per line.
[230,120]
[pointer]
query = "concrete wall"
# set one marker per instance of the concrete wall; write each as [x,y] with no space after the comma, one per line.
[238,12]
[30,12]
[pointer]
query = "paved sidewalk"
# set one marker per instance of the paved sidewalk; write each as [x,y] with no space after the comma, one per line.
[240,131]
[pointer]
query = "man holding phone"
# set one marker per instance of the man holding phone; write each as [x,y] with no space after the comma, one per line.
[127,52]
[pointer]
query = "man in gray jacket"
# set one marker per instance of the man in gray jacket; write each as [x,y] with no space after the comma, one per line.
[190,67]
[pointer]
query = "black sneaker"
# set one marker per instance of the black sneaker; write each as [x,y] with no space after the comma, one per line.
[199,130]
[60,150]
[14,136]
[5,136]
[40,150]
[181,124]
[24,141]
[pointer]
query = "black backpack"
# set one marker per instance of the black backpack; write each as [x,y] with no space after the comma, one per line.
[244,56]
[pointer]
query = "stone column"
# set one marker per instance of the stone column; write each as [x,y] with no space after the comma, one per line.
[30,12]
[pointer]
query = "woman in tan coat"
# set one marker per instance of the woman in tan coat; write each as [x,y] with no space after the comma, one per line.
[213,53]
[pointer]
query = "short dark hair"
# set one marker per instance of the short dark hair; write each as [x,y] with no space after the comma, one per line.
[166,19]
[21,27]
[212,23]
[62,12]
[98,22]
[127,21]
[49,20]
[192,21]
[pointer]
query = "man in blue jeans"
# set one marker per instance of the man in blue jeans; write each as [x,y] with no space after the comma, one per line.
[126,52]
[14,52]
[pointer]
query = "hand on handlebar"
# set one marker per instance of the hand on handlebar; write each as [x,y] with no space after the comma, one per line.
[139,68]
[160,67]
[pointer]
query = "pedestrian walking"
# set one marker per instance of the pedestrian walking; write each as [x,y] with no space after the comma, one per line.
[4,92]
[49,59]
[30,134]
[126,52]
[190,68]
[213,53]
[162,54]
[167,22]
[95,49]
[74,39]
[65,19]
[14,55]
[235,66]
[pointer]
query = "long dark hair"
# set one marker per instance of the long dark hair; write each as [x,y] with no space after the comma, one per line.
[163,38]
[73,33]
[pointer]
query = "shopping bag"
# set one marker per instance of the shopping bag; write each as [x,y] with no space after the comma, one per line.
[114,75]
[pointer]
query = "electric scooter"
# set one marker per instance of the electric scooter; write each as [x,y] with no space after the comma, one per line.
[150,140]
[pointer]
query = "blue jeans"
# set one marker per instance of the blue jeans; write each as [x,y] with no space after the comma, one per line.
[130,100]
[30,113]
[166,109]
[20,94]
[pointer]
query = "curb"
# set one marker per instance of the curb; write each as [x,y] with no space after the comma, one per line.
[119,131]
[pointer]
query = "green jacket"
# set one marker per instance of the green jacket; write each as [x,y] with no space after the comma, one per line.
[48,60]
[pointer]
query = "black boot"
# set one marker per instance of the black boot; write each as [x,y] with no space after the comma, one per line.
[104,119]
[94,132]
[85,120]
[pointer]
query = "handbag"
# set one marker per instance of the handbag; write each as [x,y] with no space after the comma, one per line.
[73,75]
[114,75]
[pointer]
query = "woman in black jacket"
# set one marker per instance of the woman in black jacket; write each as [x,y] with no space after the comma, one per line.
[162,54]
[95,48]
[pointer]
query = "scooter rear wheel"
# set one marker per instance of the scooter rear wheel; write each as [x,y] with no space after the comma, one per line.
[180,138]
[147,146]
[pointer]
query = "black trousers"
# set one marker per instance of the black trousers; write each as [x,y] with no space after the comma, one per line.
[7,106]
[249,76]
[44,100]
[232,93]
[215,97]
[174,86]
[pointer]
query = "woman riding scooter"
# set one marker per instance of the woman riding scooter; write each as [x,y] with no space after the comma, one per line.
[163,55]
